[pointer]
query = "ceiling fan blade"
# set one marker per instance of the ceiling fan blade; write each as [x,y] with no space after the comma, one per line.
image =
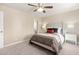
[32,5]
[35,10]
[44,11]
[48,6]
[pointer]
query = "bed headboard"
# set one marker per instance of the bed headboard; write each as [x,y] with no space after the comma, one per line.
[54,28]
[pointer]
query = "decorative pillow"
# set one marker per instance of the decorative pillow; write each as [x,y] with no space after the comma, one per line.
[52,30]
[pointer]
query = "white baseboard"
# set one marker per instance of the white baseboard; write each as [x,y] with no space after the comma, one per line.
[13,43]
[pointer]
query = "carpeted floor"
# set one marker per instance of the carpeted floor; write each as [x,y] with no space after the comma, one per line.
[69,49]
[28,49]
[24,49]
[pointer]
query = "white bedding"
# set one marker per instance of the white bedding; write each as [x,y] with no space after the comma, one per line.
[59,37]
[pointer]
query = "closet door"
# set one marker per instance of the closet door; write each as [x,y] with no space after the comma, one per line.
[1,30]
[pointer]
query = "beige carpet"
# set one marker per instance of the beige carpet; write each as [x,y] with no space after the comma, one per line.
[69,49]
[28,49]
[24,49]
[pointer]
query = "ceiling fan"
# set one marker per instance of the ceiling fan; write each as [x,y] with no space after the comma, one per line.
[40,8]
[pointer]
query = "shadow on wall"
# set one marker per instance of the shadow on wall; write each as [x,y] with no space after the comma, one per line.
[27,38]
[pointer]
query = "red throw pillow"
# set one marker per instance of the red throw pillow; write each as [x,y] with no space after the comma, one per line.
[51,30]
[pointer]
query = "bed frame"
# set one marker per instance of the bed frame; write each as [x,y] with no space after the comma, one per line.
[43,46]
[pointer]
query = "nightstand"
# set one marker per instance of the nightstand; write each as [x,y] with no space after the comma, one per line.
[71,38]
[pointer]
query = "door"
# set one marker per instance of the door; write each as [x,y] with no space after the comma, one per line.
[1,30]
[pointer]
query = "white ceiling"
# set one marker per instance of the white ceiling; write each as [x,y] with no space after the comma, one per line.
[57,8]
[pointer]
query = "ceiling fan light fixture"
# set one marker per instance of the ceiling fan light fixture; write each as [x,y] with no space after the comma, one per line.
[40,9]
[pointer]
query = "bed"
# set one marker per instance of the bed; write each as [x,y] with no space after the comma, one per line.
[52,42]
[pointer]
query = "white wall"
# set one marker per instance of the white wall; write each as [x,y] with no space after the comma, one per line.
[18,25]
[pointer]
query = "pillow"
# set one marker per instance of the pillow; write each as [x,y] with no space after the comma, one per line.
[52,30]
